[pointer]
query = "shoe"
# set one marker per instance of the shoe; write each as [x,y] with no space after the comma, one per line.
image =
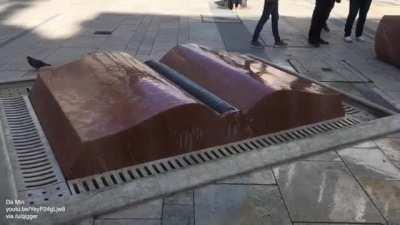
[323,42]
[280,44]
[348,39]
[257,44]
[360,38]
[314,44]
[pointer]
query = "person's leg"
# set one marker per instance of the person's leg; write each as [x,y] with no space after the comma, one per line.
[315,31]
[364,7]
[325,26]
[264,17]
[274,21]
[326,11]
[354,7]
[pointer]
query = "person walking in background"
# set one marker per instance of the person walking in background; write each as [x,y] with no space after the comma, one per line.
[270,8]
[361,8]
[320,15]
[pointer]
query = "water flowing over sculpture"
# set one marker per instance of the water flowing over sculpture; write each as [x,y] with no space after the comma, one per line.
[108,110]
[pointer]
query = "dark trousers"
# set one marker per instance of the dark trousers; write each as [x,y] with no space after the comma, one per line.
[360,7]
[270,8]
[321,13]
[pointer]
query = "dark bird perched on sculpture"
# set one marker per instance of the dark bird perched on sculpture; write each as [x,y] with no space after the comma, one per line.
[36,63]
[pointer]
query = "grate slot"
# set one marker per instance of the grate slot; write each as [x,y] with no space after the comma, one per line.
[122,177]
[39,174]
[36,171]
[40,179]
[33,159]
[181,163]
[171,165]
[216,154]
[242,148]
[200,156]
[237,150]
[165,168]
[41,184]
[252,143]
[188,160]
[247,146]
[229,151]
[113,179]
[280,138]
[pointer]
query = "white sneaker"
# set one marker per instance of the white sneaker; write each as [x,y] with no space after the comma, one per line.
[348,39]
[360,38]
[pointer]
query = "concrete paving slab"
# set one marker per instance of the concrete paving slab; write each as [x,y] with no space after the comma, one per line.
[127,222]
[370,163]
[366,144]
[178,215]
[183,198]
[263,176]
[335,224]
[391,148]
[148,210]
[239,204]
[89,221]
[329,156]
[330,192]
[378,177]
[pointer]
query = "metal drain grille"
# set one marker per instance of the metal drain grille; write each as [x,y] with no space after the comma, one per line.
[128,174]
[35,166]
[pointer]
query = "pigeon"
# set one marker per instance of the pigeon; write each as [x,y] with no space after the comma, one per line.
[36,63]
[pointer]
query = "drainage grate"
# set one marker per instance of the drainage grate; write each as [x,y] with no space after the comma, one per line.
[37,179]
[128,174]
[35,166]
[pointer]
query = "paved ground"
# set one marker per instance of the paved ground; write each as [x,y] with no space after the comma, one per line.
[357,185]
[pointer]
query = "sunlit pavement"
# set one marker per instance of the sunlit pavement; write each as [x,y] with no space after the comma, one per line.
[357,185]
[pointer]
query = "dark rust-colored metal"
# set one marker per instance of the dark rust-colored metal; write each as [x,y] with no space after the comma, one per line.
[269,99]
[387,45]
[107,111]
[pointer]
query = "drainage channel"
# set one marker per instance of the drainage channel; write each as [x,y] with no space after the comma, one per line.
[39,180]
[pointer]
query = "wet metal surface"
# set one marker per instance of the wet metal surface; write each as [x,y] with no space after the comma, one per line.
[329,191]
[239,205]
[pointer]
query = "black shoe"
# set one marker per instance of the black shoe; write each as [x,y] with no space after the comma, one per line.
[323,42]
[257,44]
[280,44]
[326,28]
[36,63]
[314,44]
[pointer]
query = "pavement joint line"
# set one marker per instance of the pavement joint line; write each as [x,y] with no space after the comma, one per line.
[28,31]
[282,198]
[363,189]
[162,211]
[240,184]
[194,207]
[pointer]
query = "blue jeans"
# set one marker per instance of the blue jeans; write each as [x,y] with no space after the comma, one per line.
[270,8]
